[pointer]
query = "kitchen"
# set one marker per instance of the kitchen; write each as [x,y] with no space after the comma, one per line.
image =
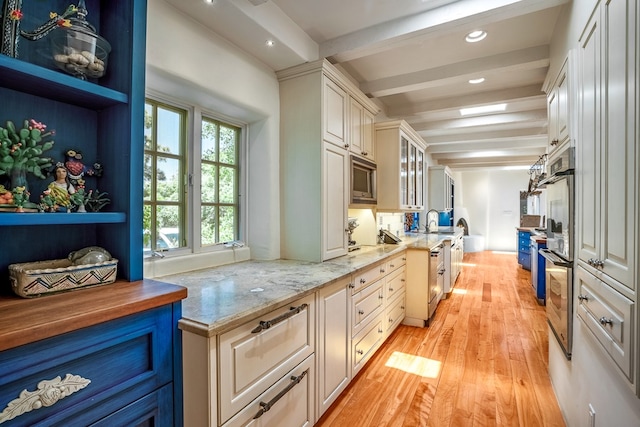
[254,99]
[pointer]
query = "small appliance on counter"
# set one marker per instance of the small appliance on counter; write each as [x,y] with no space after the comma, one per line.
[433,219]
[388,237]
[353,224]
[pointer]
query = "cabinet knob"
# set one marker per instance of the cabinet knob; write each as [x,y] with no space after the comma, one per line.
[351,285]
[605,321]
[382,270]
[363,281]
[360,312]
[359,351]
[390,289]
[392,266]
[390,320]
[583,298]
[346,145]
[554,142]
[380,330]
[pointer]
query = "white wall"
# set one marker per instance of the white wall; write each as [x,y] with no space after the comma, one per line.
[492,200]
[590,377]
[186,60]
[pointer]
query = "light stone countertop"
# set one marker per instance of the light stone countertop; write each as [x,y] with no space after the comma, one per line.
[221,298]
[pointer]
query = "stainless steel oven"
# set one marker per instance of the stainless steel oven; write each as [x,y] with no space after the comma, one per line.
[559,252]
[436,278]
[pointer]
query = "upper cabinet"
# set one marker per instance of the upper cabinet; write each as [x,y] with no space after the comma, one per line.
[559,107]
[101,118]
[321,113]
[401,167]
[441,188]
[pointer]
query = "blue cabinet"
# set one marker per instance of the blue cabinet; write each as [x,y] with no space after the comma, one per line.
[120,372]
[524,254]
[538,269]
[103,119]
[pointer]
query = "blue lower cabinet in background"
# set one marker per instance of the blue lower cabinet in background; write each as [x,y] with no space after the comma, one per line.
[538,268]
[524,254]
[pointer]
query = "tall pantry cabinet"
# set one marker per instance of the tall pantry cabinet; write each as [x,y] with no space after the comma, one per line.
[318,134]
[607,182]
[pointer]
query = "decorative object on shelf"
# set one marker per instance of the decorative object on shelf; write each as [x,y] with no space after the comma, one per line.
[76,167]
[21,151]
[11,17]
[78,49]
[90,266]
[97,200]
[48,393]
[57,196]
[20,197]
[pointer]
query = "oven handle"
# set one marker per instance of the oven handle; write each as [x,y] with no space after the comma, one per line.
[555,259]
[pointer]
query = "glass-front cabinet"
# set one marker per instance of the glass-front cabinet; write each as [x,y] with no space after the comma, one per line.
[400,151]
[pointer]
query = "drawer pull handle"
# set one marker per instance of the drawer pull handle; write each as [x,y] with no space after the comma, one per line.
[351,286]
[583,298]
[363,281]
[266,324]
[390,289]
[266,406]
[605,321]
[49,392]
[361,312]
[359,351]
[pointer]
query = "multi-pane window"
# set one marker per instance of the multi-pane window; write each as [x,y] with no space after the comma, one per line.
[174,208]
[219,182]
[164,176]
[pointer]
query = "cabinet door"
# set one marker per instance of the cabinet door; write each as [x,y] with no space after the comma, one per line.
[404,171]
[335,114]
[356,130]
[413,173]
[562,122]
[588,180]
[618,144]
[552,112]
[335,202]
[334,343]
[368,138]
[419,199]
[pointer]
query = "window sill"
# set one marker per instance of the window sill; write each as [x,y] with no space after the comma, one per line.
[157,267]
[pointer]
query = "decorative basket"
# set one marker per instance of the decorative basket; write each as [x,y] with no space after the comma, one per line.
[32,279]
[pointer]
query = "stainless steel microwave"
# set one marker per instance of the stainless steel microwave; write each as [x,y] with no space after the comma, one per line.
[363,181]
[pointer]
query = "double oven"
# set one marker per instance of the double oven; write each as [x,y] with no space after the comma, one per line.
[560,248]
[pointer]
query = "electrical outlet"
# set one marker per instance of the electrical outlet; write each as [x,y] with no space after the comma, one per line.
[592,416]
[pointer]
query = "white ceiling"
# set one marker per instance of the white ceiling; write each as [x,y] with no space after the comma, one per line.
[411,57]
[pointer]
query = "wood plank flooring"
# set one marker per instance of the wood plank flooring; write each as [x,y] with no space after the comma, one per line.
[482,361]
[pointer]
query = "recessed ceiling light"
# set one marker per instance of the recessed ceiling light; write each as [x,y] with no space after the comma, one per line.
[270,43]
[476,36]
[483,109]
[208,1]
[476,81]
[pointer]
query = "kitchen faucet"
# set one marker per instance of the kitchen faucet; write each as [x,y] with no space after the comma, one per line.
[432,224]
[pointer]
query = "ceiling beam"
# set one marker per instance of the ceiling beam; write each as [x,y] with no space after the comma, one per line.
[470,122]
[496,134]
[535,142]
[462,15]
[524,59]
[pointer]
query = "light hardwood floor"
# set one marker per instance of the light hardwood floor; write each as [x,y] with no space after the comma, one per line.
[481,362]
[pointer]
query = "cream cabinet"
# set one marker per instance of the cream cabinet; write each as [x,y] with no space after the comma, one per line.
[401,167]
[316,134]
[559,108]
[441,188]
[334,342]
[607,157]
[361,130]
[607,182]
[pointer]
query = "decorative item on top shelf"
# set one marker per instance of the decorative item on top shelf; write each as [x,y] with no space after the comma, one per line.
[21,151]
[76,167]
[11,17]
[78,49]
[90,266]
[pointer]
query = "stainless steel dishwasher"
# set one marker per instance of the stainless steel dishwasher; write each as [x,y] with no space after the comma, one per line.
[436,278]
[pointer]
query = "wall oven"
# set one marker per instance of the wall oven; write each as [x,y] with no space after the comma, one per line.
[559,251]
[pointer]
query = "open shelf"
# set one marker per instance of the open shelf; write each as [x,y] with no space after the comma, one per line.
[59,218]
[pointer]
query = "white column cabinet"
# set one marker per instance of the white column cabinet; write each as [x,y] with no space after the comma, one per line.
[607,160]
[334,342]
[315,130]
[401,165]
[606,153]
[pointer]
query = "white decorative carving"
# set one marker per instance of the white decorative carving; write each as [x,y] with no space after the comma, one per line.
[48,393]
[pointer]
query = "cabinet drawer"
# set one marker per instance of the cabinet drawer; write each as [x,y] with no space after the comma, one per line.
[108,366]
[293,409]
[366,305]
[395,284]
[253,357]
[396,262]
[524,260]
[608,315]
[366,343]
[395,312]
[367,277]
